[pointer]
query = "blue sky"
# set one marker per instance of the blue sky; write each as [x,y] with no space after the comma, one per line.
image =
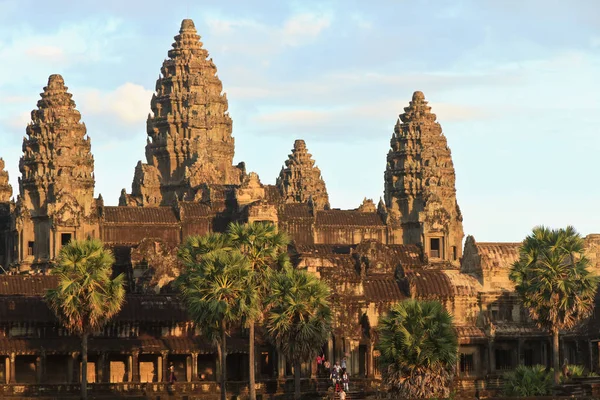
[515,85]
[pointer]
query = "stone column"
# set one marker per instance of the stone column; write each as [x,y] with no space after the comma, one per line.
[135,366]
[159,368]
[280,365]
[520,355]
[73,368]
[491,357]
[13,369]
[370,369]
[165,366]
[188,368]
[194,367]
[476,361]
[38,369]
[330,350]
[100,368]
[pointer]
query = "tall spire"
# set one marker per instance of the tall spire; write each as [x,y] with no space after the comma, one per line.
[5,187]
[57,155]
[420,182]
[190,131]
[301,180]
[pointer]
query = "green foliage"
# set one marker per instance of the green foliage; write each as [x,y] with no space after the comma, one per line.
[419,349]
[299,322]
[553,280]
[86,297]
[218,288]
[575,371]
[528,381]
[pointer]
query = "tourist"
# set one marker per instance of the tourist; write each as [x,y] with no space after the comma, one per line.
[172,377]
[344,366]
[320,360]
[342,395]
[345,379]
[335,377]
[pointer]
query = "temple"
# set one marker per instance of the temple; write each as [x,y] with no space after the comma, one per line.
[409,245]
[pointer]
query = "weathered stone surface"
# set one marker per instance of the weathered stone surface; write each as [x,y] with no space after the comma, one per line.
[190,138]
[56,188]
[300,180]
[6,190]
[420,190]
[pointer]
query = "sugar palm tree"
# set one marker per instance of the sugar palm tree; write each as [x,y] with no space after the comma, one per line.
[299,321]
[86,297]
[264,246]
[552,279]
[419,349]
[218,294]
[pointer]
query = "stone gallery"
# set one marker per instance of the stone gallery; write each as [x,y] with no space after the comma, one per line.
[409,245]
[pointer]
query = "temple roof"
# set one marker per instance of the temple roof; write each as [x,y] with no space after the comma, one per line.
[139,215]
[348,218]
[384,290]
[441,284]
[497,255]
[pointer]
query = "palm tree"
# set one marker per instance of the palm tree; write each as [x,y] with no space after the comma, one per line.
[299,321]
[217,292]
[552,278]
[419,349]
[86,297]
[264,246]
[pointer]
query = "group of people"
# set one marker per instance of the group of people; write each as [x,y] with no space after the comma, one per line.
[337,374]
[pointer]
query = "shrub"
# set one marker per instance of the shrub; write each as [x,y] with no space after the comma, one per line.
[528,381]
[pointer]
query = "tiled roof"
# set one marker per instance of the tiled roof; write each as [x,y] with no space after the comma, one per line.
[146,344]
[472,332]
[409,255]
[385,290]
[442,284]
[324,249]
[430,283]
[137,308]
[195,210]
[515,330]
[295,210]
[497,255]
[463,284]
[139,215]
[26,285]
[348,218]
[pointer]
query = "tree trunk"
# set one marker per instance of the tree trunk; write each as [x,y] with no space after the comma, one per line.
[252,378]
[84,359]
[223,361]
[297,376]
[556,356]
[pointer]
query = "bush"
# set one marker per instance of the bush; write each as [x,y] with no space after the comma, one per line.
[575,371]
[528,381]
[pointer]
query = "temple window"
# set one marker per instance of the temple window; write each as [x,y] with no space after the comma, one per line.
[503,359]
[466,363]
[435,248]
[454,255]
[65,238]
[30,248]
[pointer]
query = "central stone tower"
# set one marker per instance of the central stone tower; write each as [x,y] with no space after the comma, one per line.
[190,138]
[420,192]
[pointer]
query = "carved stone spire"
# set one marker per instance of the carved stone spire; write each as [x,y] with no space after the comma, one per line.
[420,183]
[190,131]
[57,157]
[56,201]
[5,187]
[301,180]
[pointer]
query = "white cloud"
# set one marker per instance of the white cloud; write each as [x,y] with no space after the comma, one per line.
[130,103]
[297,30]
[302,28]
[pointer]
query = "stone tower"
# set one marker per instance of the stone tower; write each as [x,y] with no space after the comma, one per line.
[190,138]
[5,187]
[56,187]
[301,180]
[420,192]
